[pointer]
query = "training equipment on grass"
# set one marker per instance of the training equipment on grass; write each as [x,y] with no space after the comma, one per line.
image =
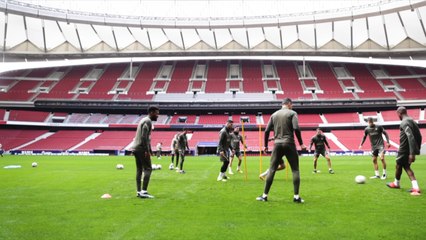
[120,166]
[360,179]
[106,196]
[34,164]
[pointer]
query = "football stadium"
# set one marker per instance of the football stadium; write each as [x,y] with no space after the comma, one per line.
[207,103]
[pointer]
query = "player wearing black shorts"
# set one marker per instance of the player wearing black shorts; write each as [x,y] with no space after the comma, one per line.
[320,142]
[224,149]
[375,133]
[410,140]
[236,139]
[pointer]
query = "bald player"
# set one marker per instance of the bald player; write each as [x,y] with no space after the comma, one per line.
[410,140]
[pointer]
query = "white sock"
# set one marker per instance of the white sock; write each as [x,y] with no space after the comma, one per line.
[144,191]
[415,184]
[396,182]
[296,196]
[264,195]
[377,173]
[384,171]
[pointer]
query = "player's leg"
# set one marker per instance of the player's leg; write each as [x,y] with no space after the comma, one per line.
[382,158]
[316,155]
[147,170]
[293,160]
[231,160]
[277,154]
[171,166]
[281,166]
[182,159]
[415,186]
[177,159]
[401,160]
[375,154]
[240,160]
[327,157]
[138,159]
[225,164]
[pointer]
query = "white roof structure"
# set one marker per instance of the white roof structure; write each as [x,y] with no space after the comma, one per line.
[100,28]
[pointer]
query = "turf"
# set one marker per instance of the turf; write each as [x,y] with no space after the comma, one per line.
[60,199]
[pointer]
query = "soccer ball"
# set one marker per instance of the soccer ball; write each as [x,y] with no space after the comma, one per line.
[360,179]
[156,167]
[34,164]
[119,166]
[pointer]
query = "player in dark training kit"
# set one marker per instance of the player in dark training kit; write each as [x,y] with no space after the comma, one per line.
[224,148]
[375,133]
[142,152]
[285,125]
[320,142]
[410,140]
[182,145]
[236,139]
[174,152]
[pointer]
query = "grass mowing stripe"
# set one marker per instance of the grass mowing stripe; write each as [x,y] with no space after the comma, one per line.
[60,199]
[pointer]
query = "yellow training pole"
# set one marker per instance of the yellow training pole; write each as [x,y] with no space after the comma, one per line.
[260,149]
[244,150]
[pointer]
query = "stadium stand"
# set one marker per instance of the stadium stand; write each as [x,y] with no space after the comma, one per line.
[216,76]
[252,76]
[342,117]
[290,82]
[103,85]
[28,116]
[108,140]
[12,138]
[180,78]
[213,119]
[59,141]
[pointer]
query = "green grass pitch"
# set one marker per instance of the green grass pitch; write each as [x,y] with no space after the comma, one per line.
[60,199]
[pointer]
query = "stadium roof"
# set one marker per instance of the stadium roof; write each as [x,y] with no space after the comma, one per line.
[72,29]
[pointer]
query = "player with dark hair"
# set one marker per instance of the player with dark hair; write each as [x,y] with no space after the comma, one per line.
[174,152]
[182,145]
[142,152]
[375,133]
[236,139]
[320,142]
[224,148]
[410,140]
[285,124]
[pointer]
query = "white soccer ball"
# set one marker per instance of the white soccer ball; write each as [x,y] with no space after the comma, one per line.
[156,167]
[119,166]
[360,179]
[34,164]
